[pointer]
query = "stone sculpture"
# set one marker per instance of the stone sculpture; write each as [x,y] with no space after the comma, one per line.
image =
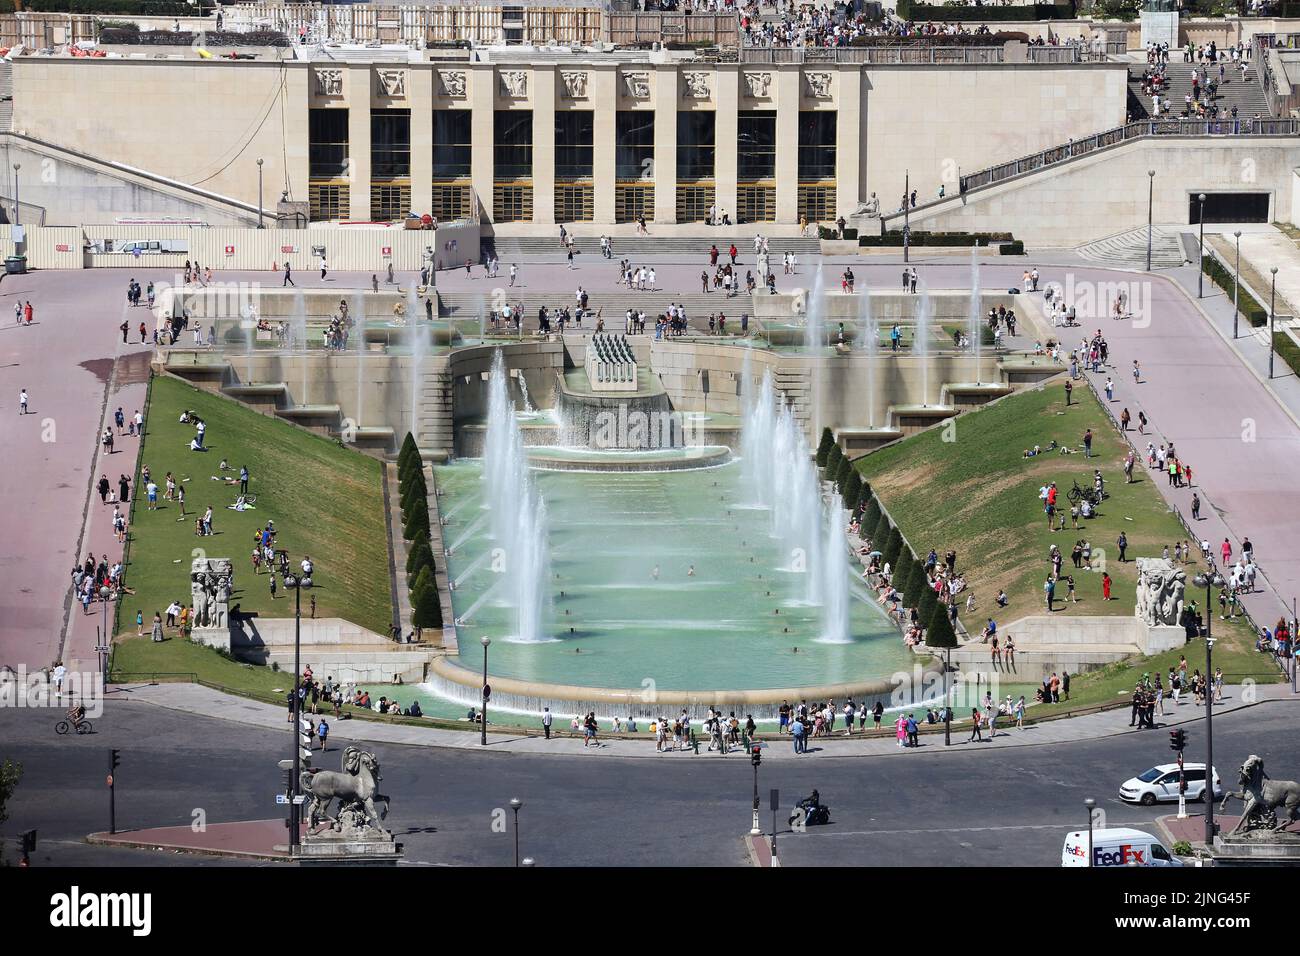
[211,583]
[575,84]
[637,85]
[758,84]
[453,82]
[819,85]
[1263,796]
[1160,591]
[329,82]
[356,788]
[514,83]
[697,85]
[391,82]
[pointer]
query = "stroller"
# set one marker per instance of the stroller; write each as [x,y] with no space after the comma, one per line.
[810,811]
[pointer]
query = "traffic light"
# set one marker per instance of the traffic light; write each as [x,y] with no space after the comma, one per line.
[756,755]
[304,739]
[1177,740]
[114,759]
[28,846]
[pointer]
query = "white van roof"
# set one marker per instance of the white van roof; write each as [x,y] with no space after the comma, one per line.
[1112,833]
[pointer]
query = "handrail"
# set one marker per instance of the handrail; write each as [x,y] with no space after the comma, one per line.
[1142,129]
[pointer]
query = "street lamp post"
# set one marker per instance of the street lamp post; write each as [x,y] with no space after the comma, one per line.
[104,593]
[515,804]
[1208,581]
[1090,803]
[1151,193]
[947,704]
[291,581]
[1272,312]
[260,224]
[907,206]
[1200,251]
[17,206]
[482,717]
[1236,282]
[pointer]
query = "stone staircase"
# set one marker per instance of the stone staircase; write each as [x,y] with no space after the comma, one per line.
[1129,249]
[644,248]
[1246,95]
[437,435]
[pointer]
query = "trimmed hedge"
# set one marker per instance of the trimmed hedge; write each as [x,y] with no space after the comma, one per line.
[830,233]
[894,237]
[1247,305]
[909,10]
[426,607]
[869,520]
[842,475]
[853,490]
[889,554]
[940,634]
[833,459]
[1013,248]
[1287,350]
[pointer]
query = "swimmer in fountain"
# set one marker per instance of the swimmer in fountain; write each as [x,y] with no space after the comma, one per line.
[655,573]
[690,572]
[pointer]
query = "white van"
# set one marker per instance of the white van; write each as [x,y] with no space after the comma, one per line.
[1116,846]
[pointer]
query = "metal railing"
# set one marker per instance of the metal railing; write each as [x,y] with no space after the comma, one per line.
[1122,134]
[921,53]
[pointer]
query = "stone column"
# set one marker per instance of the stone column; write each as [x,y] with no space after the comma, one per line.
[787,82]
[482,103]
[665,98]
[544,80]
[848,141]
[358,81]
[603,85]
[726,130]
[420,100]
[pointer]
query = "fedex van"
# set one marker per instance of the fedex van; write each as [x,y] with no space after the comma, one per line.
[1116,846]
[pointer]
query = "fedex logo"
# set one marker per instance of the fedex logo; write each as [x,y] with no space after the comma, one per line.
[1119,857]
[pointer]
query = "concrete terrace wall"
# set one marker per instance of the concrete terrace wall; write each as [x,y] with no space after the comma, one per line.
[537,361]
[1105,193]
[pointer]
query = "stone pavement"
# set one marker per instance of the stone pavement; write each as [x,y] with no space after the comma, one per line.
[251,839]
[198,700]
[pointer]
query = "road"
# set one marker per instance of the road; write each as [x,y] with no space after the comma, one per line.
[986,807]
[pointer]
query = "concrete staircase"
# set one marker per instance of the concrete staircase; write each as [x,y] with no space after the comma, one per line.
[644,248]
[1246,95]
[437,434]
[1129,249]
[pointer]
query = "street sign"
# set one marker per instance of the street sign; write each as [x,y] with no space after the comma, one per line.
[281,798]
[285,765]
[487,691]
[300,799]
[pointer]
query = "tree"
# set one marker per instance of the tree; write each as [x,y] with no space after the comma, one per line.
[408,449]
[940,634]
[417,524]
[824,449]
[842,474]
[10,774]
[833,458]
[902,580]
[415,558]
[880,533]
[853,493]
[408,469]
[870,519]
[893,547]
[426,607]
[416,489]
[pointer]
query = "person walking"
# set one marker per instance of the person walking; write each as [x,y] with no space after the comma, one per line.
[1196,507]
[288,276]
[22,401]
[547,719]
[1087,443]
[799,734]
[975,729]
[322,731]
[1122,543]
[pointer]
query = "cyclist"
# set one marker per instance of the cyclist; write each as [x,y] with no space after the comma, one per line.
[76,714]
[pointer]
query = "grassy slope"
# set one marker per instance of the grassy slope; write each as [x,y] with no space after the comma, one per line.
[978,495]
[326,501]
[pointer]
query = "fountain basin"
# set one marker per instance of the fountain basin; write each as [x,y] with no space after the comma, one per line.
[558,458]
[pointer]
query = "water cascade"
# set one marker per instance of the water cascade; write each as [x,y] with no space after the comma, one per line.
[974,316]
[921,341]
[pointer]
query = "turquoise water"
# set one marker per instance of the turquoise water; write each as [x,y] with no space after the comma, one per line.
[736,622]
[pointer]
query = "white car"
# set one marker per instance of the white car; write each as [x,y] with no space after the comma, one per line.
[1161,784]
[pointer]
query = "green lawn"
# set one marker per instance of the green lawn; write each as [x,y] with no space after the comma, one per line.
[326,501]
[978,495]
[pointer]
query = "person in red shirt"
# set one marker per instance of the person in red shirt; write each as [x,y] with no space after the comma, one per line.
[1105,586]
[27,312]
[1051,494]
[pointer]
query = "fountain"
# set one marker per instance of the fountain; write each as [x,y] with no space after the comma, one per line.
[357,310]
[974,316]
[298,325]
[835,575]
[868,336]
[921,340]
[517,512]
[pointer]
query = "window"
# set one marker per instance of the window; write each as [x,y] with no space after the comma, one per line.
[695,146]
[756,203]
[451,144]
[693,203]
[512,203]
[327,201]
[756,146]
[390,143]
[573,203]
[327,143]
[1158,852]
[816,146]
[451,201]
[817,203]
[512,149]
[389,201]
[633,202]
[573,145]
[634,146]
